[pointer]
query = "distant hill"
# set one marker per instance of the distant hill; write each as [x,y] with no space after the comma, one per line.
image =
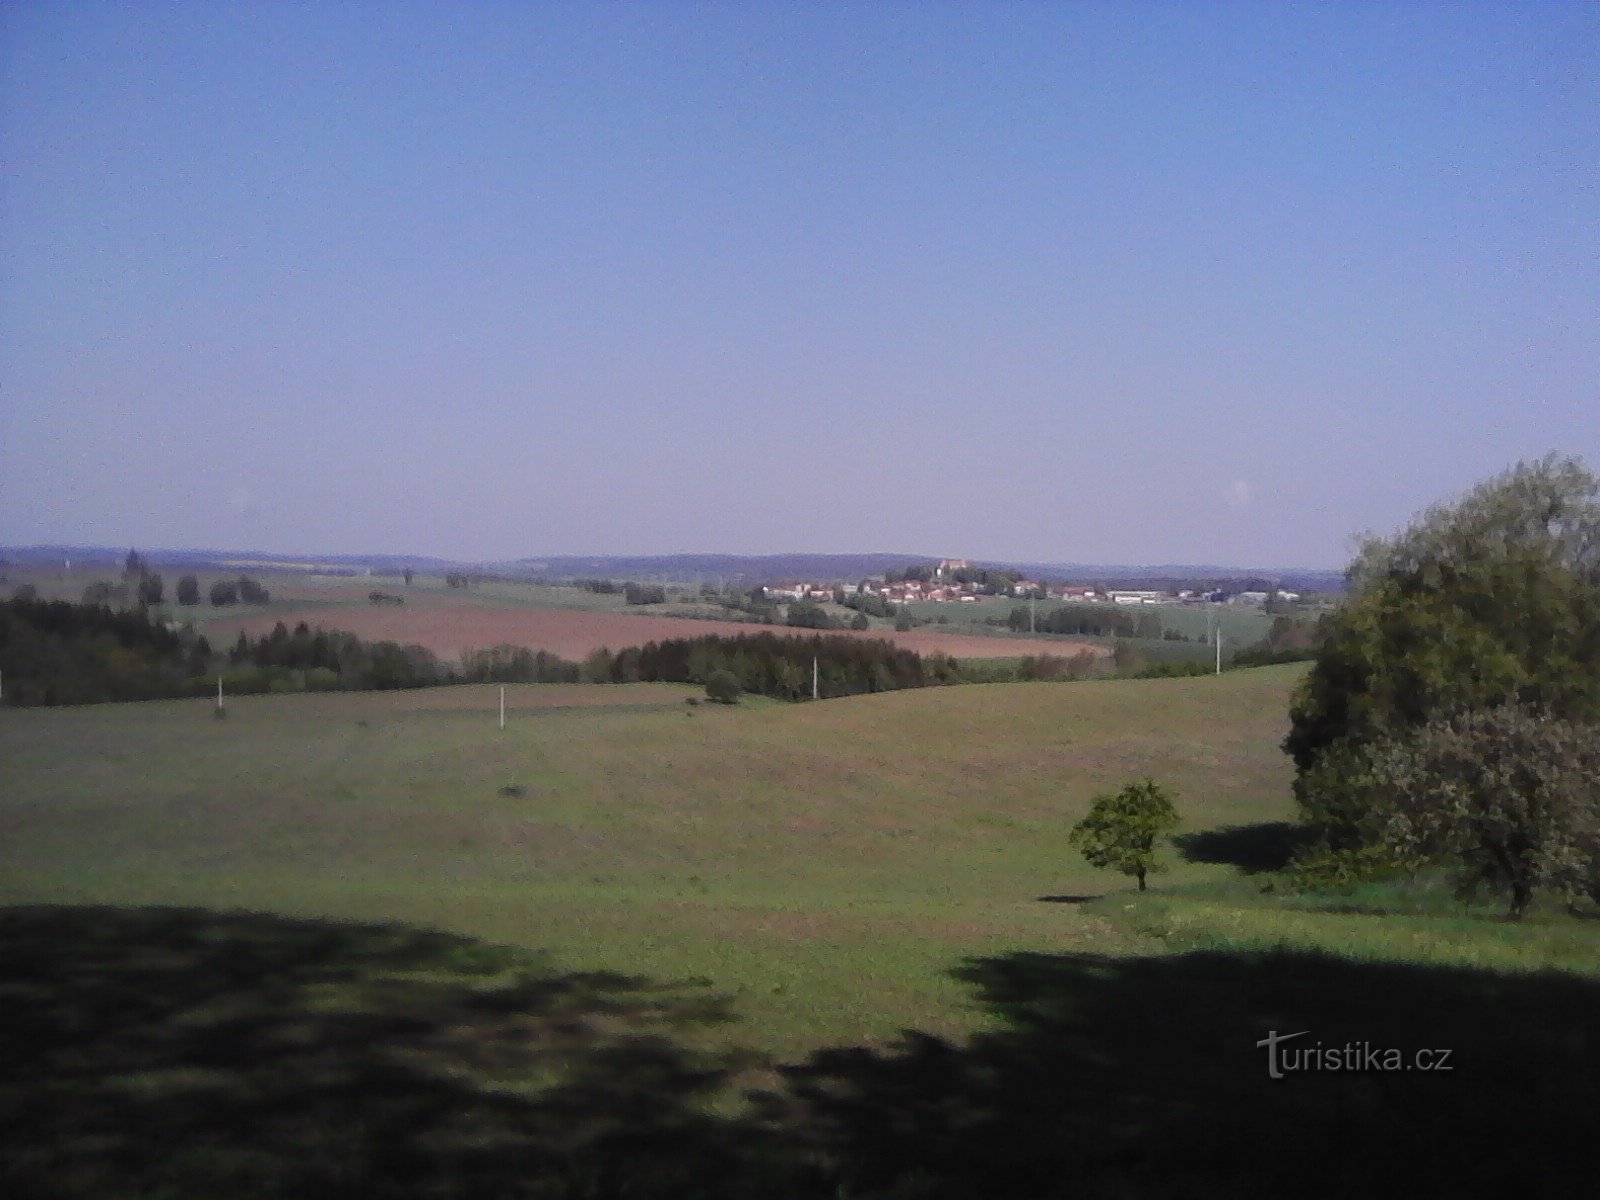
[733,568]
[84,556]
[737,569]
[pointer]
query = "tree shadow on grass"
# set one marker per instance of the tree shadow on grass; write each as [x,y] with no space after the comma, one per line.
[1254,849]
[181,1053]
[1142,1077]
[188,1053]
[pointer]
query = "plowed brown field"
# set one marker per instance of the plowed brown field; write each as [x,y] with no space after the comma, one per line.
[448,629]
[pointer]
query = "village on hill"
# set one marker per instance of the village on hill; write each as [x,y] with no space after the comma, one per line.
[957,581]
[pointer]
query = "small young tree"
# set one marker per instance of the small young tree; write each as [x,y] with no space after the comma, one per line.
[1120,832]
[723,687]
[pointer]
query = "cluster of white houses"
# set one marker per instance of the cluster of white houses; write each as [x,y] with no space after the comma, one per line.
[940,591]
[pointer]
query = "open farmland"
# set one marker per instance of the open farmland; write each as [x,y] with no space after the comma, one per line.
[824,862]
[449,622]
[399,952]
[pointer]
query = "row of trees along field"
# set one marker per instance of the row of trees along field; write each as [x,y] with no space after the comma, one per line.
[632,593]
[1451,720]
[772,665]
[150,589]
[55,652]
[777,665]
[325,660]
[62,653]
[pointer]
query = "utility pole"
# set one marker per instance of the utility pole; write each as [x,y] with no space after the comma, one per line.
[1219,644]
[502,706]
[219,693]
[814,693]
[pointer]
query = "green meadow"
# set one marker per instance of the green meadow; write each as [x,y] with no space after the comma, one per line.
[824,863]
[832,949]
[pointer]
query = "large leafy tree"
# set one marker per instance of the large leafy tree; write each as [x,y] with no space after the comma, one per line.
[1122,828]
[1487,606]
[1491,600]
[1507,796]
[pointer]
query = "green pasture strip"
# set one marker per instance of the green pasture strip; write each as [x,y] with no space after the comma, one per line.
[934,805]
[847,853]
[1334,925]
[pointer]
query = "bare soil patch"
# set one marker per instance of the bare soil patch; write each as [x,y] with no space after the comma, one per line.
[449,628]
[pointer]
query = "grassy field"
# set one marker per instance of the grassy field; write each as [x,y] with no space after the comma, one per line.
[822,862]
[688,896]
[1242,625]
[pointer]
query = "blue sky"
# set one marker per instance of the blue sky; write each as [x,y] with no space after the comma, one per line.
[1134,283]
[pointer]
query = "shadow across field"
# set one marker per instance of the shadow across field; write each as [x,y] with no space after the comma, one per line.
[183,1053]
[188,1053]
[1254,849]
[1143,1077]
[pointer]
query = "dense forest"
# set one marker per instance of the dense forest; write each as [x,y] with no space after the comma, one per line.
[54,652]
[309,659]
[769,664]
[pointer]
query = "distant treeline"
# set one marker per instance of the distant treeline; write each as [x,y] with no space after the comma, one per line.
[54,652]
[1096,620]
[633,593]
[518,664]
[324,660]
[770,664]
